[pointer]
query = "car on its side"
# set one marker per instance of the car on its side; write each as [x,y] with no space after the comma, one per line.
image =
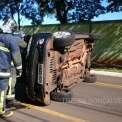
[55,62]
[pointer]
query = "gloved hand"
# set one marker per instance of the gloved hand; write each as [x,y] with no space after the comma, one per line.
[19,72]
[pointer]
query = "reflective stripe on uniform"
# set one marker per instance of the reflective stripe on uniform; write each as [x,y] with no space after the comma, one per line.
[5,74]
[10,84]
[12,63]
[2,98]
[4,49]
[9,95]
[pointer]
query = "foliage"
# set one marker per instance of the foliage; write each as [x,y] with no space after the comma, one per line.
[87,9]
[114,5]
[72,10]
[64,10]
[58,7]
[27,8]
[8,8]
[30,9]
[108,44]
[62,7]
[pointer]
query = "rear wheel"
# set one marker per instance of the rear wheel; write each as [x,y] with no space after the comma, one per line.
[87,77]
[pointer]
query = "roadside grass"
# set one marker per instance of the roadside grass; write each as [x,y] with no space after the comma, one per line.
[108,44]
[80,27]
[108,47]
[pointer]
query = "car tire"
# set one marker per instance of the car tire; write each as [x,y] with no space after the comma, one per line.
[63,39]
[61,96]
[87,77]
[35,90]
[90,79]
[31,72]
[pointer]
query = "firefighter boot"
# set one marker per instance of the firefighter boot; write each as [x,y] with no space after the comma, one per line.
[3,113]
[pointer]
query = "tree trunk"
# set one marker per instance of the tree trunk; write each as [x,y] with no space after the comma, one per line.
[18,12]
[90,26]
[61,13]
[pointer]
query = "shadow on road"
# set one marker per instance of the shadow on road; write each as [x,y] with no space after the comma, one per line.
[21,94]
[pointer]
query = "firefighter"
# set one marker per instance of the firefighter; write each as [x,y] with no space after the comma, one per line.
[9,52]
[10,97]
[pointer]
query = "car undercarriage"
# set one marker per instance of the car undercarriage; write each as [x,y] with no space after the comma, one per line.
[55,62]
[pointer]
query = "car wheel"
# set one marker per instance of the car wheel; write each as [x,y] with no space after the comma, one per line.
[36,91]
[63,39]
[61,96]
[87,77]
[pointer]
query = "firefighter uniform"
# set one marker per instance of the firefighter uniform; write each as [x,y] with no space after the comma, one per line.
[9,51]
[12,79]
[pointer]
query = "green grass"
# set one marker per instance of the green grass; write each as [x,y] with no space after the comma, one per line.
[82,27]
[108,45]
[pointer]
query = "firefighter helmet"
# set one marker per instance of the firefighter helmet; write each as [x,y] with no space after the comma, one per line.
[9,26]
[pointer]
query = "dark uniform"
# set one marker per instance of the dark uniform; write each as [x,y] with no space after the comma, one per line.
[9,51]
[12,80]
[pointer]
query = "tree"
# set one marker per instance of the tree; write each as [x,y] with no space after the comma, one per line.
[27,8]
[58,7]
[70,10]
[15,7]
[62,7]
[9,8]
[87,9]
[114,5]
[30,9]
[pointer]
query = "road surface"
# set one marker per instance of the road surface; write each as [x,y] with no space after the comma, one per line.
[91,102]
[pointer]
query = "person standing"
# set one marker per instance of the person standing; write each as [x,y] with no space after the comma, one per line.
[9,52]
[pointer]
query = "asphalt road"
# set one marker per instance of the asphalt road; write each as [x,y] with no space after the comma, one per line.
[91,102]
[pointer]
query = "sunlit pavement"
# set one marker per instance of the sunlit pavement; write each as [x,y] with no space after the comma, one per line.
[92,102]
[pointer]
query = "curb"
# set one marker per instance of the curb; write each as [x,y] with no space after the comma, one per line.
[106,73]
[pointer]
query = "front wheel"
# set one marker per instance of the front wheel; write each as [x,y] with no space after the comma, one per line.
[61,96]
[89,79]
[36,90]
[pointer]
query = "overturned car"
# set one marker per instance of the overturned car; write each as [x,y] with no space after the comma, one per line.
[55,62]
